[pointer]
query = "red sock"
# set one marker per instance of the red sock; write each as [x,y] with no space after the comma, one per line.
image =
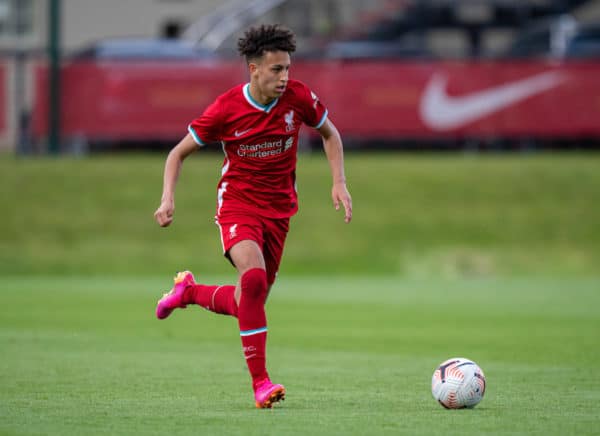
[218,299]
[253,322]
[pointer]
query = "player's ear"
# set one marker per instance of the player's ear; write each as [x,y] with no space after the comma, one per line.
[253,64]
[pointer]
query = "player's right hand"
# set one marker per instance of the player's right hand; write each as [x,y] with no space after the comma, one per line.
[164,213]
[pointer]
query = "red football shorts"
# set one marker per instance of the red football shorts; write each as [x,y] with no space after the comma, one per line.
[268,233]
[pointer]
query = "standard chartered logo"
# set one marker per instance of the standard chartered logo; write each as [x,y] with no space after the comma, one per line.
[265,149]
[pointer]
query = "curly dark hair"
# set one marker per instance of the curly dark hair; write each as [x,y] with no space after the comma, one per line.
[271,37]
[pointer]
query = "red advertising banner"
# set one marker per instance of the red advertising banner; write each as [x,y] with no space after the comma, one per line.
[386,100]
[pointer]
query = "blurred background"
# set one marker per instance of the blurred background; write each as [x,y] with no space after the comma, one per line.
[79,75]
[471,129]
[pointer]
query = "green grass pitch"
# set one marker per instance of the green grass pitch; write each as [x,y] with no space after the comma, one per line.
[494,258]
[84,356]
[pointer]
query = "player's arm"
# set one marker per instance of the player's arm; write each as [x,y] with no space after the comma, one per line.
[164,213]
[332,143]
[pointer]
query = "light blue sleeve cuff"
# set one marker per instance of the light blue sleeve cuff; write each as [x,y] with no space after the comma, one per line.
[197,139]
[318,126]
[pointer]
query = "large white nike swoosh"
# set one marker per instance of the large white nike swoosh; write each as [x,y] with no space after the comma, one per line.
[439,111]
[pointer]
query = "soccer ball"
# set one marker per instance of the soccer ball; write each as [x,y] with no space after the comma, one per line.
[458,383]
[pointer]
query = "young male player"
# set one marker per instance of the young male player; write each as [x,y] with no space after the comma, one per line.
[258,124]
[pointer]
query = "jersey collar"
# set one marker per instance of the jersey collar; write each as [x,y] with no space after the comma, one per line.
[256,104]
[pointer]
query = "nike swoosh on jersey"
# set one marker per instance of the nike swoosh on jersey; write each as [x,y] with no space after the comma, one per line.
[440,111]
[243,132]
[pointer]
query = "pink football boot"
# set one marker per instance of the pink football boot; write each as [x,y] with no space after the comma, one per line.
[174,299]
[267,393]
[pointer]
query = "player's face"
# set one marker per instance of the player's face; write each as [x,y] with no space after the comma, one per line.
[269,75]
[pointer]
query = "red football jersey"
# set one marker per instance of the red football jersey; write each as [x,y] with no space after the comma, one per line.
[260,145]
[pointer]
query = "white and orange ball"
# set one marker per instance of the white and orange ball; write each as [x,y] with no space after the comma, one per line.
[458,383]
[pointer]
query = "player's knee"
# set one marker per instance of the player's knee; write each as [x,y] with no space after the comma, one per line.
[254,283]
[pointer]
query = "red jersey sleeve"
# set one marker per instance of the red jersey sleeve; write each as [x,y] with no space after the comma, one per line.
[315,113]
[208,127]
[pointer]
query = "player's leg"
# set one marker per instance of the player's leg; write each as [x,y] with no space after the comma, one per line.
[216,298]
[274,234]
[274,240]
[248,258]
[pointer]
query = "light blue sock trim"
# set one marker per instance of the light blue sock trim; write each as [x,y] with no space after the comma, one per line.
[252,332]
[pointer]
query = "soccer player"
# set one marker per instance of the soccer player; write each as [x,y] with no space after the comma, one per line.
[257,124]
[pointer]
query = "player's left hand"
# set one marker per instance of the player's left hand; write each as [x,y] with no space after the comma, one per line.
[164,214]
[340,194]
